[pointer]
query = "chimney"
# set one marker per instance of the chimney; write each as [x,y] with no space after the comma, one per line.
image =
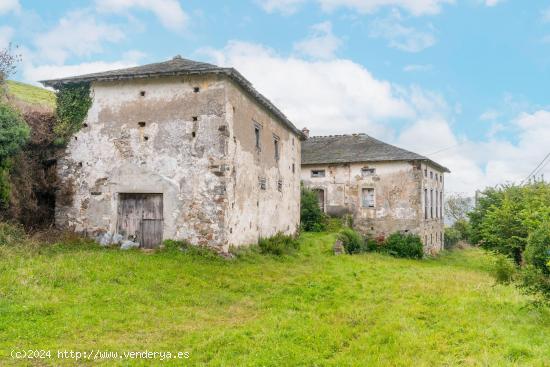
[305,131]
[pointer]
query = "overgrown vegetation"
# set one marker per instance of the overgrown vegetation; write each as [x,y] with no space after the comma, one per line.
[352,241]
[312,217]
[403,245]
[311,308]
[73,103]
[280,244]
[514,221]
[14,132]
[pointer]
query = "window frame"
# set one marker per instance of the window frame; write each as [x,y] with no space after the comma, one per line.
[365,199]
[318,175]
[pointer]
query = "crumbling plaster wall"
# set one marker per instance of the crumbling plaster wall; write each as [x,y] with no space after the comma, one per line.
[398,188]
[170,154]
[254,212]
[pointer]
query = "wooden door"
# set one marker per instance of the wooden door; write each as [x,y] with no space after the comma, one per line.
[320,198]
[140,218]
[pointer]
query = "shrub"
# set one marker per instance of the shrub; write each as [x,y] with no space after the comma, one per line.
[352,241]
[311,216]
[280,244]
[533,281]
[537,250]
[452,236]
[403,245]
[14,133]
[504,269]
[11,234]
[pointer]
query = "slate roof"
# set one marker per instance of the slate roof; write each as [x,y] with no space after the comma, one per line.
[356,148]
[177,66]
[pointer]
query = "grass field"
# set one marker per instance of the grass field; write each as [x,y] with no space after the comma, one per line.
[30,95]
[308,309]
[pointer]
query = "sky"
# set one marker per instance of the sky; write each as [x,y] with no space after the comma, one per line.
[464,82]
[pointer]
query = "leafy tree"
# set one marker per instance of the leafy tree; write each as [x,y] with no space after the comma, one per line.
[311,216]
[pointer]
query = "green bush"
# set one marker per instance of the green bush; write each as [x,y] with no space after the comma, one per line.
[14,133]
[537,250]
[533,280]
[463,228]
[352,241]
[280,244]
[403,245]
[452,236]
[312,217]
[504,269]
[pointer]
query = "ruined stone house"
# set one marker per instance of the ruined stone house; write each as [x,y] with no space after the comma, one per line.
[182,150]
[385,189]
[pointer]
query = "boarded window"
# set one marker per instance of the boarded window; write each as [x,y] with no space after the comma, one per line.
[432,204]
[425,203]
[367,198]
[318,173]
[366,172]
[257,135]
[276,146]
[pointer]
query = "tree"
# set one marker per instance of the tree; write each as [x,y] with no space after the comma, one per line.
[8,63]
[457,207]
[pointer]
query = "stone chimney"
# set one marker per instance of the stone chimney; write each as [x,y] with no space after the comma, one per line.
[305,131]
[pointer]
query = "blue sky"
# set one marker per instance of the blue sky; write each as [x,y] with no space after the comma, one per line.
[466,80]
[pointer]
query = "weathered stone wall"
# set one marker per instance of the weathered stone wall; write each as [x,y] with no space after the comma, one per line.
[398,202]
[196,147]
[150,136]
[253,211]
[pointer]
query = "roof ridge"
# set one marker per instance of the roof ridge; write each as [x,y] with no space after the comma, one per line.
[337,135]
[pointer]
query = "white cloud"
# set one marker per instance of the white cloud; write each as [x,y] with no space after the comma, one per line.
[169,12]
[320,44]
[545,15]
[7,6]
[339,96]
[285,7]
[400,36]
[417,68]
[34,73]
[414,7]
[78,33]
[492,2]
[489,115]
[6,33]
[326,96]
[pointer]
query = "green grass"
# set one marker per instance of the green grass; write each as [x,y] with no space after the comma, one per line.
[31,95]
[306,309]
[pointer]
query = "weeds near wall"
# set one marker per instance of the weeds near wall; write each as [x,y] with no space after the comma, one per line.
[73,103]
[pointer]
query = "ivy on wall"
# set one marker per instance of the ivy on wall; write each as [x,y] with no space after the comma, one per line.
[73,103]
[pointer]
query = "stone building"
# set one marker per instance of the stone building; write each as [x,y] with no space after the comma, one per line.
[180,150]
[384,188]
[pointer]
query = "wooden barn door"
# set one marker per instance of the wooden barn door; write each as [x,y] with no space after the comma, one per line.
[140,218]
